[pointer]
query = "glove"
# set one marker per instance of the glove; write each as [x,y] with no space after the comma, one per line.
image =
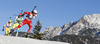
[22,15]
[27,35]
[3,30]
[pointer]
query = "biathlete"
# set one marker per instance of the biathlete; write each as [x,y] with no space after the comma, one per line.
[28,20]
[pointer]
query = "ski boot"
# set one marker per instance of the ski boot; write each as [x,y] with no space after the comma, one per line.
[27,35]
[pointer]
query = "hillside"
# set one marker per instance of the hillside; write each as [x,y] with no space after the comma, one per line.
[19,40]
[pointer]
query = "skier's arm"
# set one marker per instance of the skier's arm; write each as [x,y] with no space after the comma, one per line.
[16,18]
[11,26]
[14,26]
[3,27]
[22,19]
[28,13]
[34,16]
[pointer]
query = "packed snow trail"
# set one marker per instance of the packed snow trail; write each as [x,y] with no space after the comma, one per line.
[20,40]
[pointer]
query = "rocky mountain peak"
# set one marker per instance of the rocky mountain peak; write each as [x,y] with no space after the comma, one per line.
[89,21]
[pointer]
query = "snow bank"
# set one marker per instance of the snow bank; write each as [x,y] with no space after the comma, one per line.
[19,40]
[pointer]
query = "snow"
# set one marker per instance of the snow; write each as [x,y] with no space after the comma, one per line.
[20,40]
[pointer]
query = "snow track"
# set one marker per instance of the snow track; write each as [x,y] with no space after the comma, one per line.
[20,40]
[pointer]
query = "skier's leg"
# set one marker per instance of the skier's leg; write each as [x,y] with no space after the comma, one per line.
[30,26]
[23,23]
[8,32]
[17,32]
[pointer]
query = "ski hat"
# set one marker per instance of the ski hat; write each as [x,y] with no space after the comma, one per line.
[10,21]
[20,13]
[34,11]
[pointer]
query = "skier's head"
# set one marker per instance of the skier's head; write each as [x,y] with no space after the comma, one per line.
[9,21]
[15,22]
[34,12]
[20,14]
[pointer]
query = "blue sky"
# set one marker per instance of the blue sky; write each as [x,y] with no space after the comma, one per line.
[50,12]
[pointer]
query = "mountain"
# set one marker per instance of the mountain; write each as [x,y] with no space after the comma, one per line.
[50,32]
[87,21]
[76,39]
[20,40]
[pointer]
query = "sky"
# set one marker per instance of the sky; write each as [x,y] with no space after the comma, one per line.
[50,12]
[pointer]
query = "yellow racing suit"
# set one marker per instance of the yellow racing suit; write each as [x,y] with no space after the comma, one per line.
[8,27]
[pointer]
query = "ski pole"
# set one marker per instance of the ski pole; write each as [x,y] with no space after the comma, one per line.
[34,7]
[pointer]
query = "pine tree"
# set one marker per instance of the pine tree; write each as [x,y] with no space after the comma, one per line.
[36,30]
